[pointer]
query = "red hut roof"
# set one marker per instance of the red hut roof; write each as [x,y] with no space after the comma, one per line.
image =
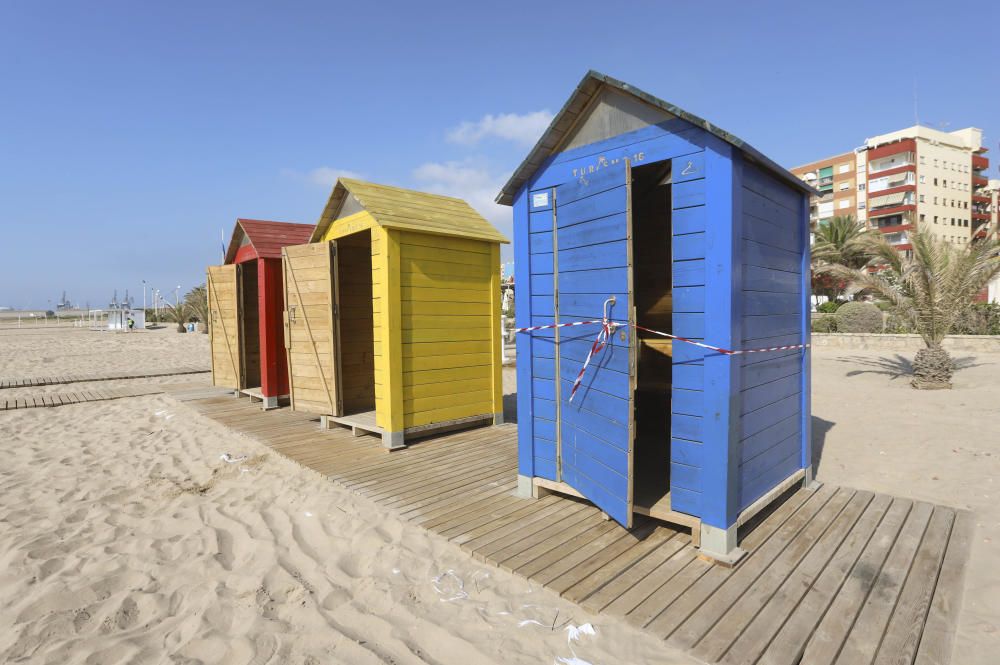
[259,239]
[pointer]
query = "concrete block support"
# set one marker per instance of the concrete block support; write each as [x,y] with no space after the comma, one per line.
[392,440]
[720,544]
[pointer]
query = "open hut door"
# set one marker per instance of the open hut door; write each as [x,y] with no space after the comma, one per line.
[592,237]
[224,325]
[310,320]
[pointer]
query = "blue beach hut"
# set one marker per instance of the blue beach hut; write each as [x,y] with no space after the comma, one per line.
[632,208]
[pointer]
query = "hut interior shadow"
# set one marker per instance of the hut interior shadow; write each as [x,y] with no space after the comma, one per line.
[652,284]
[249,325]
[357,309]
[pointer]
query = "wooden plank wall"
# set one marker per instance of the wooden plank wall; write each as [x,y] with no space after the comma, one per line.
[447,320]
[772,305]
[223,326]
[687,400]
[537,376]
[357,307]
[310,342]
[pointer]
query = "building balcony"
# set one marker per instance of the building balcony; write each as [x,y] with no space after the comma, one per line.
[980,163]
[894,220]
[980,216]
[979,180]
[981,198]
[889,162]
[899,238]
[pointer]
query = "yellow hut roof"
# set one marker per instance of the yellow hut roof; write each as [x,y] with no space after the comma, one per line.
[398,208]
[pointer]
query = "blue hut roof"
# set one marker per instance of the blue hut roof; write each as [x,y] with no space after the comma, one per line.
[588,89]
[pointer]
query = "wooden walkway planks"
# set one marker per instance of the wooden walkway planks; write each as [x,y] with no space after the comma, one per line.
[831,575]
[62,399]
[32,382]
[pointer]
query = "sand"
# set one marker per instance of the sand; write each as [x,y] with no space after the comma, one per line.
[125,538]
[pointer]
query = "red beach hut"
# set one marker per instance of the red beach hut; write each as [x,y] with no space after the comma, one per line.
[246,301]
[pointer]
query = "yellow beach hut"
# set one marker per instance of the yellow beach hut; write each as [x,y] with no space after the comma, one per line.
[392,319]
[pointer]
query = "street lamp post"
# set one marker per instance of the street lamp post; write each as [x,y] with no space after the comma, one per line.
[143,299]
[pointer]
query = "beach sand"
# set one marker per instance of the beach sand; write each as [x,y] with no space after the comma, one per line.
[125,538]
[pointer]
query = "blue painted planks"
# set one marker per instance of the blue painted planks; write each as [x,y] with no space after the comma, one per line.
[689,193]
[522,317]
[594,257]
[768,393]
[593,264]
[610,280]
[756,303]
[689,246]
[593,232]
[757,254]
[688,273]
[688,220]
[762,278]
[544,408]
[753,445]
[686,452]
[773,325]
[687,402]
[594,205]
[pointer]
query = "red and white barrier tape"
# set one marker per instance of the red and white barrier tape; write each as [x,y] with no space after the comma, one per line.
[608,329]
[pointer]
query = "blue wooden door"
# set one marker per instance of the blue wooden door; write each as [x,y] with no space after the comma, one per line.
[592,235]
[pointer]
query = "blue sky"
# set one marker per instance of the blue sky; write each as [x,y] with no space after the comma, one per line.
[133,133]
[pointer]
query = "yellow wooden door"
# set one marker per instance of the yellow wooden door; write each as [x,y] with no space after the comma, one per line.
[223,326]
[310,273]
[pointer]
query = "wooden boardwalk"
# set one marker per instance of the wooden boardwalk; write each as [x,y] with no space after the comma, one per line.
[31,382]
[62,399]
[832,575]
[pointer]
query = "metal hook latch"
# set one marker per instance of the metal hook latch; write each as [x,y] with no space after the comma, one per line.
[610,301]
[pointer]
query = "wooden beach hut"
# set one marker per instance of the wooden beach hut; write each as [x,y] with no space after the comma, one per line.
[246,300]
[633,208]
[393,314]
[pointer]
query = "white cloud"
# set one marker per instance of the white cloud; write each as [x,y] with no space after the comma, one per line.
[469,179]
[324,176]
[519,128]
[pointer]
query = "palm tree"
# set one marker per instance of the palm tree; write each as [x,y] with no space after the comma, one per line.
[838,242]
[179,314]
[197,304]
[932,286]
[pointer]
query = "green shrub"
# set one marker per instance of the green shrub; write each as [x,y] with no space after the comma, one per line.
[897,324]
[979,319]
[828,307]
[824,324]
[859,317]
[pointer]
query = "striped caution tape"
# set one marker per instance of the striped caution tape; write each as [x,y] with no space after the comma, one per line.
[608,328]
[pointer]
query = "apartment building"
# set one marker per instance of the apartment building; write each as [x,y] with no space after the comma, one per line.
[917,174]
[836,178]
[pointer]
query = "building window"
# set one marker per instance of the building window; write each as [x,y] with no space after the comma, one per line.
[935,200]
[861,187]
[923,217]
[843,168]
[935,219]
[921,198]
[923,159]
[944,183]
[953,221]
[935,182]
[922,179]
[935,163]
